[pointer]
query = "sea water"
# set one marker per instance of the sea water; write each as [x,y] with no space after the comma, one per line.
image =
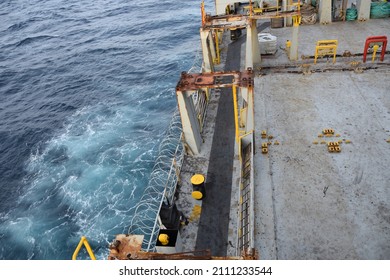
[87,91]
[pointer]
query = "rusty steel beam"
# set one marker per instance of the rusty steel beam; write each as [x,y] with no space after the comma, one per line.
[240,21]
[191,81]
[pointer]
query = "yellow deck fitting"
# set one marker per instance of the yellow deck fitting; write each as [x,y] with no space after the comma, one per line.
[332,144]
[337,149]
[277,143]
[331,149]
[328,131]
[264,145]
[348,141]
[264,150]
[263,134]
[320,135]
[315,142]
[340,141]
[388,140]
[269,143]
[270,137]
[164,239]
[195,214]
[338,135]
[326,48]
[323,142]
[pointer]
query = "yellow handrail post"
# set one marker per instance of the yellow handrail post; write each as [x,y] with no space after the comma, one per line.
[235,111]
[83,241]
[375,50]
[217,59]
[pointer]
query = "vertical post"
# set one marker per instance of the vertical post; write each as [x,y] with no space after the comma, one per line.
[250,121]
[252,54]
[234,93]
[284,9]
[325,11]
[294,41]
[189,121]
[216,56]
[207,57]
[375,49]
[364,8]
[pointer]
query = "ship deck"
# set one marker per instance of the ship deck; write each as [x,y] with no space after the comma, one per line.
[309,203]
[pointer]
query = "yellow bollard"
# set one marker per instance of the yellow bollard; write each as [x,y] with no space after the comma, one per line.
[164,239]
[288,46]
[375,48]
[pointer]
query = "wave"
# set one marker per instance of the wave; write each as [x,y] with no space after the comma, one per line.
[30,40]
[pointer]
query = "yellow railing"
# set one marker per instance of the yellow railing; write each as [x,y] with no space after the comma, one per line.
[83,241]
[326,48]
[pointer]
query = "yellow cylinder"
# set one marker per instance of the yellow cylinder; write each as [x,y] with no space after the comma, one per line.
[163,238]
[198,186]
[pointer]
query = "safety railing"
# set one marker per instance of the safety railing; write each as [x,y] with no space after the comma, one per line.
[165,174]
[161,187]
[246,194]
[83,241]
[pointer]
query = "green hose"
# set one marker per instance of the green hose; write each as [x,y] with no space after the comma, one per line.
[351,14]
[380,10]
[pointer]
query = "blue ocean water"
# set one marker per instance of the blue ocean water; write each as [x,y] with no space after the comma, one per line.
[86,95]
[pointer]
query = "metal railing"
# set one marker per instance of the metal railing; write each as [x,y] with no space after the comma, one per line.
[165,174]
[83,241]
[161,187]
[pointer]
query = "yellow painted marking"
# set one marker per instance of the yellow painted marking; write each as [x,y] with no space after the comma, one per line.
[195,214]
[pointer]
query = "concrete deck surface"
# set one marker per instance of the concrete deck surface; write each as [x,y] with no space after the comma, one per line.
[312,204]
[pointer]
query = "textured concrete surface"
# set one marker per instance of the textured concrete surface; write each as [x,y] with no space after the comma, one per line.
[312,204]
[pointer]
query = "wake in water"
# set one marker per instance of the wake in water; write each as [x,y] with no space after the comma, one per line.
[85,182]
[86,94]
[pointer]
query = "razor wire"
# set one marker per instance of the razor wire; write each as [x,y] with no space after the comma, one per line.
[164,177]
[162,185]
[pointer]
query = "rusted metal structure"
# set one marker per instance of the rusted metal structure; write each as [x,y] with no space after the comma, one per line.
[191,83]
[128,247]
